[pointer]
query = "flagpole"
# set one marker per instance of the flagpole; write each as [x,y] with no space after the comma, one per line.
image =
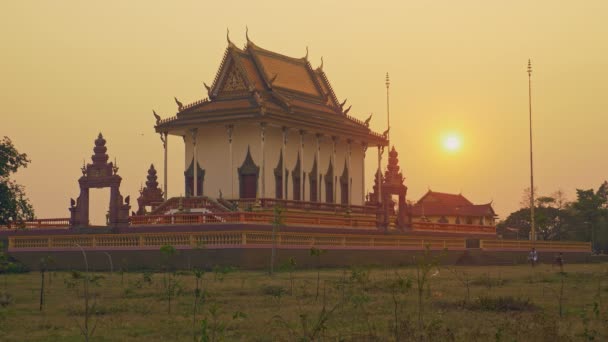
[532,225]
[388,117]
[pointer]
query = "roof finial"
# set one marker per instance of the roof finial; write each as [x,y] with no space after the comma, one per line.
[228,36]
[247,34]
[529,67]
[306,57]
[321,66]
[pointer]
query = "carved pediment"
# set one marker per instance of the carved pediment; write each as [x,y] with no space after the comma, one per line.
[234,81]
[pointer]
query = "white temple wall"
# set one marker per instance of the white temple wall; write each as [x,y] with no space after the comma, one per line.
[272,147]
[213,151]
[310,146]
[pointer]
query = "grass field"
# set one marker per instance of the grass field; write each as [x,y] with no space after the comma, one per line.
[506,303]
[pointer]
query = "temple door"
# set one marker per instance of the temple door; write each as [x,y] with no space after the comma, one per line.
[249,186]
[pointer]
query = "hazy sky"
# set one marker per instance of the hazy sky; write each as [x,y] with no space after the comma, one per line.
[69,69]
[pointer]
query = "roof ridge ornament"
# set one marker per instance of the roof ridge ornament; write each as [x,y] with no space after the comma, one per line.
[306,57]
[366,123]
[271,81]
[247,35]
[347,109]
[343,103]
[230,43]
[321,66]
[180,105]
[156,116]
[209,92]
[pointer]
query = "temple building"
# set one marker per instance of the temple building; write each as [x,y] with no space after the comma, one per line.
[439,207]
[271,127]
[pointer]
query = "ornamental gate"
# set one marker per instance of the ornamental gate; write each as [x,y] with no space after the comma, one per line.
[100,174]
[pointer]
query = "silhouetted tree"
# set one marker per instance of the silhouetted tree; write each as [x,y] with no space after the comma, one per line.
[14,206]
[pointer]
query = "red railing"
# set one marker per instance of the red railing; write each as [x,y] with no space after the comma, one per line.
[253,217]
[452,228]
[38,224]
[266,203]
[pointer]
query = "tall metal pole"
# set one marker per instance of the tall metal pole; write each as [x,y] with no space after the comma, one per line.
[388,117]
[532,226]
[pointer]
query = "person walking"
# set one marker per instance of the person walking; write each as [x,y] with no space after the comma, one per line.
[533,257]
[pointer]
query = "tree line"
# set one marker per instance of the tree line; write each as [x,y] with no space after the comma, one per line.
[556,218]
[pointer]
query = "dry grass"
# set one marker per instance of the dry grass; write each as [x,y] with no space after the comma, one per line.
[506,303]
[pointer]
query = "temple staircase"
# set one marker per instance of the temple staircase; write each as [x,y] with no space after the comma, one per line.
[190,204]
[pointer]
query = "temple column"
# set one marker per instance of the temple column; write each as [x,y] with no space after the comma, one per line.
[165,146]
[229,129]
[349,184]
[364,148]
[318,175]
[262,136]
[302,187]
[194,132]
[334,139]
[379,173]
[284,179]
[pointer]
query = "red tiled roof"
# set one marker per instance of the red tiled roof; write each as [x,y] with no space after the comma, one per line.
[444,204]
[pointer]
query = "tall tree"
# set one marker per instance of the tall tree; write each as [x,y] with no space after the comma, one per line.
[14,205]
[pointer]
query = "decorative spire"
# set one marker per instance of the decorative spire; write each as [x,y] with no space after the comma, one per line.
[152,178]
[529,67]
[100,157]
[392,174]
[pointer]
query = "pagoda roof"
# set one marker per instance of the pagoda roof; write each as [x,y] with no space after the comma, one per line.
[260,84]
[444,204]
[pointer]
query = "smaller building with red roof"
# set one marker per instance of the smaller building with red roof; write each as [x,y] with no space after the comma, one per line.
[439,207]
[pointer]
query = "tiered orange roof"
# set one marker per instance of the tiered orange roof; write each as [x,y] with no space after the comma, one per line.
[253,82]
[444,204]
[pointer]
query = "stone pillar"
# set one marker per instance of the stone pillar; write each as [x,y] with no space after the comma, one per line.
[334,139]
[364,148]
[262,137]
[166,147]
[283,168]
[319,180]
[194,132]
[229,129]
[349,183]
[302,183]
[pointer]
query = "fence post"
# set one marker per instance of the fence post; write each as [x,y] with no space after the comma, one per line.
[344,241]
[243,238]
[49,242]
[141,240]
[94,242]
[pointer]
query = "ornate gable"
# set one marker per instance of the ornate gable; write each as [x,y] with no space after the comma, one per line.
[231,79]
[234,81]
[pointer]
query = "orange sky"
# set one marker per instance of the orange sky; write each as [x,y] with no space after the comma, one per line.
[70,69]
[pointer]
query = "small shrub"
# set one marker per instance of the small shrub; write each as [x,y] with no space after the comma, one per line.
[488,281]
[503,304]
[5,299]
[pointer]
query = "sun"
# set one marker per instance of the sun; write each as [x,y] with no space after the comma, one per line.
[452,143]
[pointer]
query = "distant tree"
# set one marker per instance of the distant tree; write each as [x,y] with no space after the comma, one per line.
[14,205]
[591,209]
